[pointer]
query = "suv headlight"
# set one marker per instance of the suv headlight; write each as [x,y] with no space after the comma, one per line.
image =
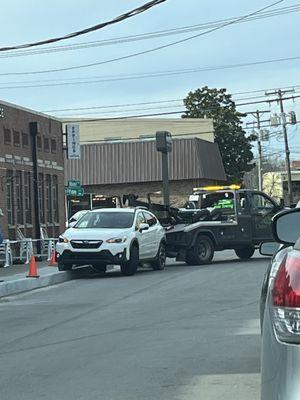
[117,240]
[62,239]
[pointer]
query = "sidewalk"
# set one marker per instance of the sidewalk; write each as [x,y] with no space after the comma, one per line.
[13,279]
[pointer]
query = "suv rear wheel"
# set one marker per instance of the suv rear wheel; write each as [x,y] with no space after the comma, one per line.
[130,267]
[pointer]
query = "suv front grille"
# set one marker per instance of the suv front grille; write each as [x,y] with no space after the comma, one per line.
[86,244]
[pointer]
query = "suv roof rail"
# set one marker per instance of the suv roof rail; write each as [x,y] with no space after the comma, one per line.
[141,208]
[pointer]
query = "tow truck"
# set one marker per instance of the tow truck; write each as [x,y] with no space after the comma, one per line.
[216,218]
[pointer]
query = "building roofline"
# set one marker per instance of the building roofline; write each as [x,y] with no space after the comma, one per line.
[29,110]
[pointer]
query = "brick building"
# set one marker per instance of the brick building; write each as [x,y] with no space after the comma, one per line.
[20,202]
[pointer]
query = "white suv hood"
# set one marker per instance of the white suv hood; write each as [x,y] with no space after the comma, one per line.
[95,233]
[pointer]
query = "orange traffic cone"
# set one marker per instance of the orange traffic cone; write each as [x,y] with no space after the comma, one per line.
[33,272]
[52,261]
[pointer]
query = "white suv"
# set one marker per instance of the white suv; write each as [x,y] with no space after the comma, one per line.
[118,236]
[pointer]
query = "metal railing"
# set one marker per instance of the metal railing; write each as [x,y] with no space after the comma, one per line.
[20,251]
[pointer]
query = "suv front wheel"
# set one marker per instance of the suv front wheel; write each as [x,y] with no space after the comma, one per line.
[160,261]
[130,267]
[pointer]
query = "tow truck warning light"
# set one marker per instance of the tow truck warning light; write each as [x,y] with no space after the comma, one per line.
[214,188]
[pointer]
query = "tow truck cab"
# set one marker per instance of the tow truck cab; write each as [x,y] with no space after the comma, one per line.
[221,217]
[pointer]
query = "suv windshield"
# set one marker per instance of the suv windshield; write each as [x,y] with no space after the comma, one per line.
[110,220]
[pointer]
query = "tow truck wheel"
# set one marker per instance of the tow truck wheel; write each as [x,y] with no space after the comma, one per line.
[245,252]
[129,268]
[203,251]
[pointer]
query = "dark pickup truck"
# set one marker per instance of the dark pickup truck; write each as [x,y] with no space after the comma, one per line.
[218,220]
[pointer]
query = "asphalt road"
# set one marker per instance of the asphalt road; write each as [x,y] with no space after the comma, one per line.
[180,334]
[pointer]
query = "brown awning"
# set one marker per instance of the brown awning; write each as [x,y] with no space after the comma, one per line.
[130,162]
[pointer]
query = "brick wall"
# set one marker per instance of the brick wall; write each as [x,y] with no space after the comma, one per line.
[16,161]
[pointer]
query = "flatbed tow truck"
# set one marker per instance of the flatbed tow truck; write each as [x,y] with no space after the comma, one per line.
[217,218]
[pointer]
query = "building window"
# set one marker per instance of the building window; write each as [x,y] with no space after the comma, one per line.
[55,199]
[39,142]
[46,145]
[41,193]
[48,199]
[7,136]
[27,197]
[10,197]
[19,198]
[17,138]
[25,139]
[53,145]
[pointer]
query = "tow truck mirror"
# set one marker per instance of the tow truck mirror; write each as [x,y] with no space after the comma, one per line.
[268,248]
[286,226]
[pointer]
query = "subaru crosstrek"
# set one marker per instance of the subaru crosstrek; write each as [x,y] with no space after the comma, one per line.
[113,236]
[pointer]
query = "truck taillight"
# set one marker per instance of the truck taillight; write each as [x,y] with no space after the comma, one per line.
[286,299]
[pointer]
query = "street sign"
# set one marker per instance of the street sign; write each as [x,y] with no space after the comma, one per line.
[74,184]
[78,192]
[73,142]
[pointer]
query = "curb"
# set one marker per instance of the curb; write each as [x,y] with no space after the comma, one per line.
[23,285]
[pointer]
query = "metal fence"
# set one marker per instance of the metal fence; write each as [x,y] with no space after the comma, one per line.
[20,251]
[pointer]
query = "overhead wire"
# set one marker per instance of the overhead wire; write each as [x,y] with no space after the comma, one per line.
[93,28]
[155,74]
[177,112]
[159,101]
[150,35]
[75,67]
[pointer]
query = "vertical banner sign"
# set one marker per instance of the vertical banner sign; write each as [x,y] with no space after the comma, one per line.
[73,141]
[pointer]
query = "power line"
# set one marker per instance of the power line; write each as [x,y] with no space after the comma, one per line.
[94,28]
[171,112]
[156,102]
[160,107]
[155,74]
[150,35]
[141,52]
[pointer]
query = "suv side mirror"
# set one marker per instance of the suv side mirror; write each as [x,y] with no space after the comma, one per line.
[268,248]
[286,226]
[143,227]
[71,224]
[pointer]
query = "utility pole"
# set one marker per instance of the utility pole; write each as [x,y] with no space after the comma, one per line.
[280,94]
[256,114]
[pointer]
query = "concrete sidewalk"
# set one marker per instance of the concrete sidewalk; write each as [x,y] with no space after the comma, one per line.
[13,279]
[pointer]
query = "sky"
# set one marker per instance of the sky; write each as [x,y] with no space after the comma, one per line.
[263,39]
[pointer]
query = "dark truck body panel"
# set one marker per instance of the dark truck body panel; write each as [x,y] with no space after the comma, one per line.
[245,226]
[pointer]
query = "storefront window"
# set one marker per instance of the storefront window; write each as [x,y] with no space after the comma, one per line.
[10,197]
[48,199]
[55,199]
[27,196]
[41,194]
[19,198]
